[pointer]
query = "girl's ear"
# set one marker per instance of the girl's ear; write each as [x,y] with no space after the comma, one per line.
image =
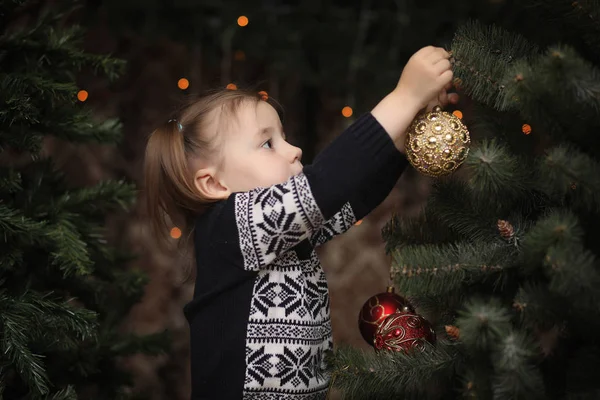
[210,187]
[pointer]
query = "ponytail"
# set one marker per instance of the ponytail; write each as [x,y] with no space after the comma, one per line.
[168,181]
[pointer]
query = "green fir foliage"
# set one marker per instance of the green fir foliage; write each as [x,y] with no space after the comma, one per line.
[64,290]
[506,250]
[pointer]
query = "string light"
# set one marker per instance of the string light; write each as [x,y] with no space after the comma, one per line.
[264,95]
[231,86]
[347,111]
[175,232]
[242,20]
[183,84]
[526,128]
[458,114]
[82,95]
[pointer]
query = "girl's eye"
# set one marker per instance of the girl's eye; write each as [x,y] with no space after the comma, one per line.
[267,145]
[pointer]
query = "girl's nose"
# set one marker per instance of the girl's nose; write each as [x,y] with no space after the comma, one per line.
[294,153]
[298,154]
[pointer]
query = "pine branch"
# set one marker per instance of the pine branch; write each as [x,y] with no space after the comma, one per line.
[495,173]
[33,102]
[539,308]
[105,197]
[426,227]
[481,55]
[28,318]
[456,207]
[69,253]
[67,124]
[13,222]
[78,127]
[59,48]
[438,308]
[110,291]
[556,227]
[516,377]
[482,324]
[569,176]
[575,275]
[367,375]
[21,319]
[22,88]
[448,268]
[533,84]
[578,80]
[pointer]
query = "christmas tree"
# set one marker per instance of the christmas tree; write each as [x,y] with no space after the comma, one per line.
[64,290]
[503,259]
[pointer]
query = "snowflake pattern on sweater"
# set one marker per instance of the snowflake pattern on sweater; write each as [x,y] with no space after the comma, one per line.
[289,328]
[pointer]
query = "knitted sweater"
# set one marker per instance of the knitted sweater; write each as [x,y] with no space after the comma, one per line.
[259,319]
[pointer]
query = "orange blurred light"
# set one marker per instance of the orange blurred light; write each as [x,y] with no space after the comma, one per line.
[358,222]
[239,55]
[264,95]
[526,128]
[347,111]
[231,86]
[242,20]
[175,232]
[82,95]
[183,84]
[458,113]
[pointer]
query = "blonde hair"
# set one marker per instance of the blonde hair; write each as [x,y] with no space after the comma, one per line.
[169,180]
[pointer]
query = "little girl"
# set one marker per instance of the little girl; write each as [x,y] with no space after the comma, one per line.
[259,319]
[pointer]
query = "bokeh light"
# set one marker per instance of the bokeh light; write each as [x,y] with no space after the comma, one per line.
[183,84]
[82,95]
[175,232]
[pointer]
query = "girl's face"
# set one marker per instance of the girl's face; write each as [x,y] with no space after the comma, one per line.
[255,151]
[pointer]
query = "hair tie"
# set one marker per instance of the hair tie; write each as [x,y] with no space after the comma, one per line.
[179,126]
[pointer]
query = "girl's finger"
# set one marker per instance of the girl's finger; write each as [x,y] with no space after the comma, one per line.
[442,66]
[453,98]
[443,98]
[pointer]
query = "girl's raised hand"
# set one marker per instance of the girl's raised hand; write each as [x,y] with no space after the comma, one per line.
[425,75]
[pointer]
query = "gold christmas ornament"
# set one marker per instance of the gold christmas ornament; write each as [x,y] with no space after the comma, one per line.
[437,143]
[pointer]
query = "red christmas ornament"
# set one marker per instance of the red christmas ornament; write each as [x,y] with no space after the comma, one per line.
[377,308]
[402,332]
